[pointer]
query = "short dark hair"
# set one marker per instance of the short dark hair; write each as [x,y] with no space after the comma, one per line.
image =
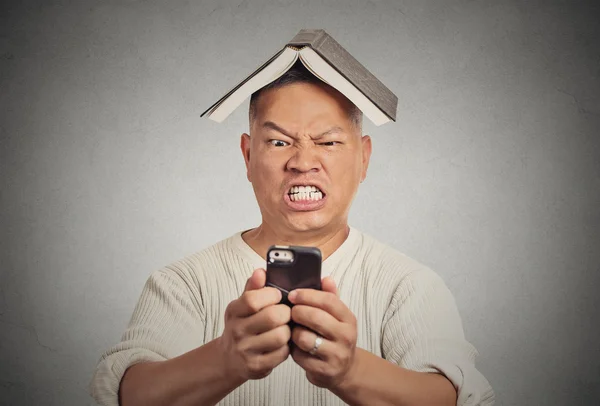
[298,73]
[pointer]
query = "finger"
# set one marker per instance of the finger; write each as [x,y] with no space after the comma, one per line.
[267,319]
[327,301]
[328,285]
[253,301]
[306,361]
[276,357]
[269,341]
[306,340]
[317,320]
[257,280]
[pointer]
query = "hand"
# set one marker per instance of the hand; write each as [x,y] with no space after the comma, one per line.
[326,315]
[256,334]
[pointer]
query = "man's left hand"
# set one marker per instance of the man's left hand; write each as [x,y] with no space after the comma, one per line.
[323,314]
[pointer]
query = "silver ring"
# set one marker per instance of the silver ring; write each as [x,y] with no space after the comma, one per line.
[318,342]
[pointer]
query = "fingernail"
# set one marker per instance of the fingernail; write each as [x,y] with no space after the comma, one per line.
[292,295]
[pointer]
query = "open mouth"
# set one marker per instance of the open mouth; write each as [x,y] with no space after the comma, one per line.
[306,193]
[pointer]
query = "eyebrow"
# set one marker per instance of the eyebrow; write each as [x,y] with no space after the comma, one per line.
[272,126]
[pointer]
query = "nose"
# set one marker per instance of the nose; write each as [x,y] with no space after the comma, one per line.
[305,159]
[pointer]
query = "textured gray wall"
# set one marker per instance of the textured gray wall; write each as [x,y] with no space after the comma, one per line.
[491,175]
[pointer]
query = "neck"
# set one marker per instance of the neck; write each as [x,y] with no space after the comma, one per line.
[328,241]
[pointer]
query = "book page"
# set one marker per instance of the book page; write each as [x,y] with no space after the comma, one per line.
[259,79]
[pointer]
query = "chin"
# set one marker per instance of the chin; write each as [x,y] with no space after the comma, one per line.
[309,223]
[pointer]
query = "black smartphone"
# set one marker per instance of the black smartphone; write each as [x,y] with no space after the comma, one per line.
[293,267]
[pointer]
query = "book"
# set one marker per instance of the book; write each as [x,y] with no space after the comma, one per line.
[328,61]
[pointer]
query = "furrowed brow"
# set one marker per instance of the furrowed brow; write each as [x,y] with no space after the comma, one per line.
[333,130]
[272,126]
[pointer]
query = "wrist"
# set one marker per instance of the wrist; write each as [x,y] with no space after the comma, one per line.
[350,381]
[227,370]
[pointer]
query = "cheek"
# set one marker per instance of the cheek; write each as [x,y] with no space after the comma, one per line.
[345,178]
[343,170]
[266,177]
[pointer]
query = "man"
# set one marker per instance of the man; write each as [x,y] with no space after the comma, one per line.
[383,331]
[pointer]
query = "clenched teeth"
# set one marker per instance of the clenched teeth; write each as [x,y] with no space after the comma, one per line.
[296,189]
[310,193]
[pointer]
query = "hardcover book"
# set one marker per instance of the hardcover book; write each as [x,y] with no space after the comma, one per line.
[328,61]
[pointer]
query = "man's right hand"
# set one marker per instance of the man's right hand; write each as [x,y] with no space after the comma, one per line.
[256,334]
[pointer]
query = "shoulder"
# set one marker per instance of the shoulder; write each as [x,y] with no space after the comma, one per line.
[385,257]
[199,275]
[395,267]
[201,264]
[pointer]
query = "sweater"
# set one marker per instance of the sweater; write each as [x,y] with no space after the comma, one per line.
[404,310]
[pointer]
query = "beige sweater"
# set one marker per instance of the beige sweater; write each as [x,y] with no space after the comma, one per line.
[405,314]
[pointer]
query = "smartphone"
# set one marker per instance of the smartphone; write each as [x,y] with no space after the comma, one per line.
[293,267]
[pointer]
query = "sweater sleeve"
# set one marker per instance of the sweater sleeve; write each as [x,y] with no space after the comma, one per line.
[423,331]
[167,322]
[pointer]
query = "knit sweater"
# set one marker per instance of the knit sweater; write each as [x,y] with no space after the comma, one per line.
[405,314]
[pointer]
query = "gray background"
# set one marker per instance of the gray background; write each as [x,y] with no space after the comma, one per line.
[491,176]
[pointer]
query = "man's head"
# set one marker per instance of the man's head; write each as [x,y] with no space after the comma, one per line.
[303,132]
[299,74]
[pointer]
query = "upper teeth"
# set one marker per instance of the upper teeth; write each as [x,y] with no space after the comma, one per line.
[304,189]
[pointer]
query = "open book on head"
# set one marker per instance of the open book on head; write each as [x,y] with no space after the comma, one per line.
[328,61]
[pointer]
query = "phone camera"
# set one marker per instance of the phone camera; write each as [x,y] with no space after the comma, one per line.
[277,254]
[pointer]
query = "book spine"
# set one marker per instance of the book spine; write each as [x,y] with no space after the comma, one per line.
[310,38]
[318,41]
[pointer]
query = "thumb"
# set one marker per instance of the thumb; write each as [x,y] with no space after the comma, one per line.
[257,280]
[328,285]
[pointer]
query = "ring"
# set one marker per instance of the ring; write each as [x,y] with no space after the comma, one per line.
[318,342]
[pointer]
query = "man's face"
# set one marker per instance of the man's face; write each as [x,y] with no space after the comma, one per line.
[304,157]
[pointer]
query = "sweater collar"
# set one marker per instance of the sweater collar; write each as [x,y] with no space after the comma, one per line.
[348,247]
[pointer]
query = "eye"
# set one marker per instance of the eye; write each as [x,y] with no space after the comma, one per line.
[330,143]
[278,143]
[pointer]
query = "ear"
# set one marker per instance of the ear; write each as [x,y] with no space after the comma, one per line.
[245,147]
[367,148]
